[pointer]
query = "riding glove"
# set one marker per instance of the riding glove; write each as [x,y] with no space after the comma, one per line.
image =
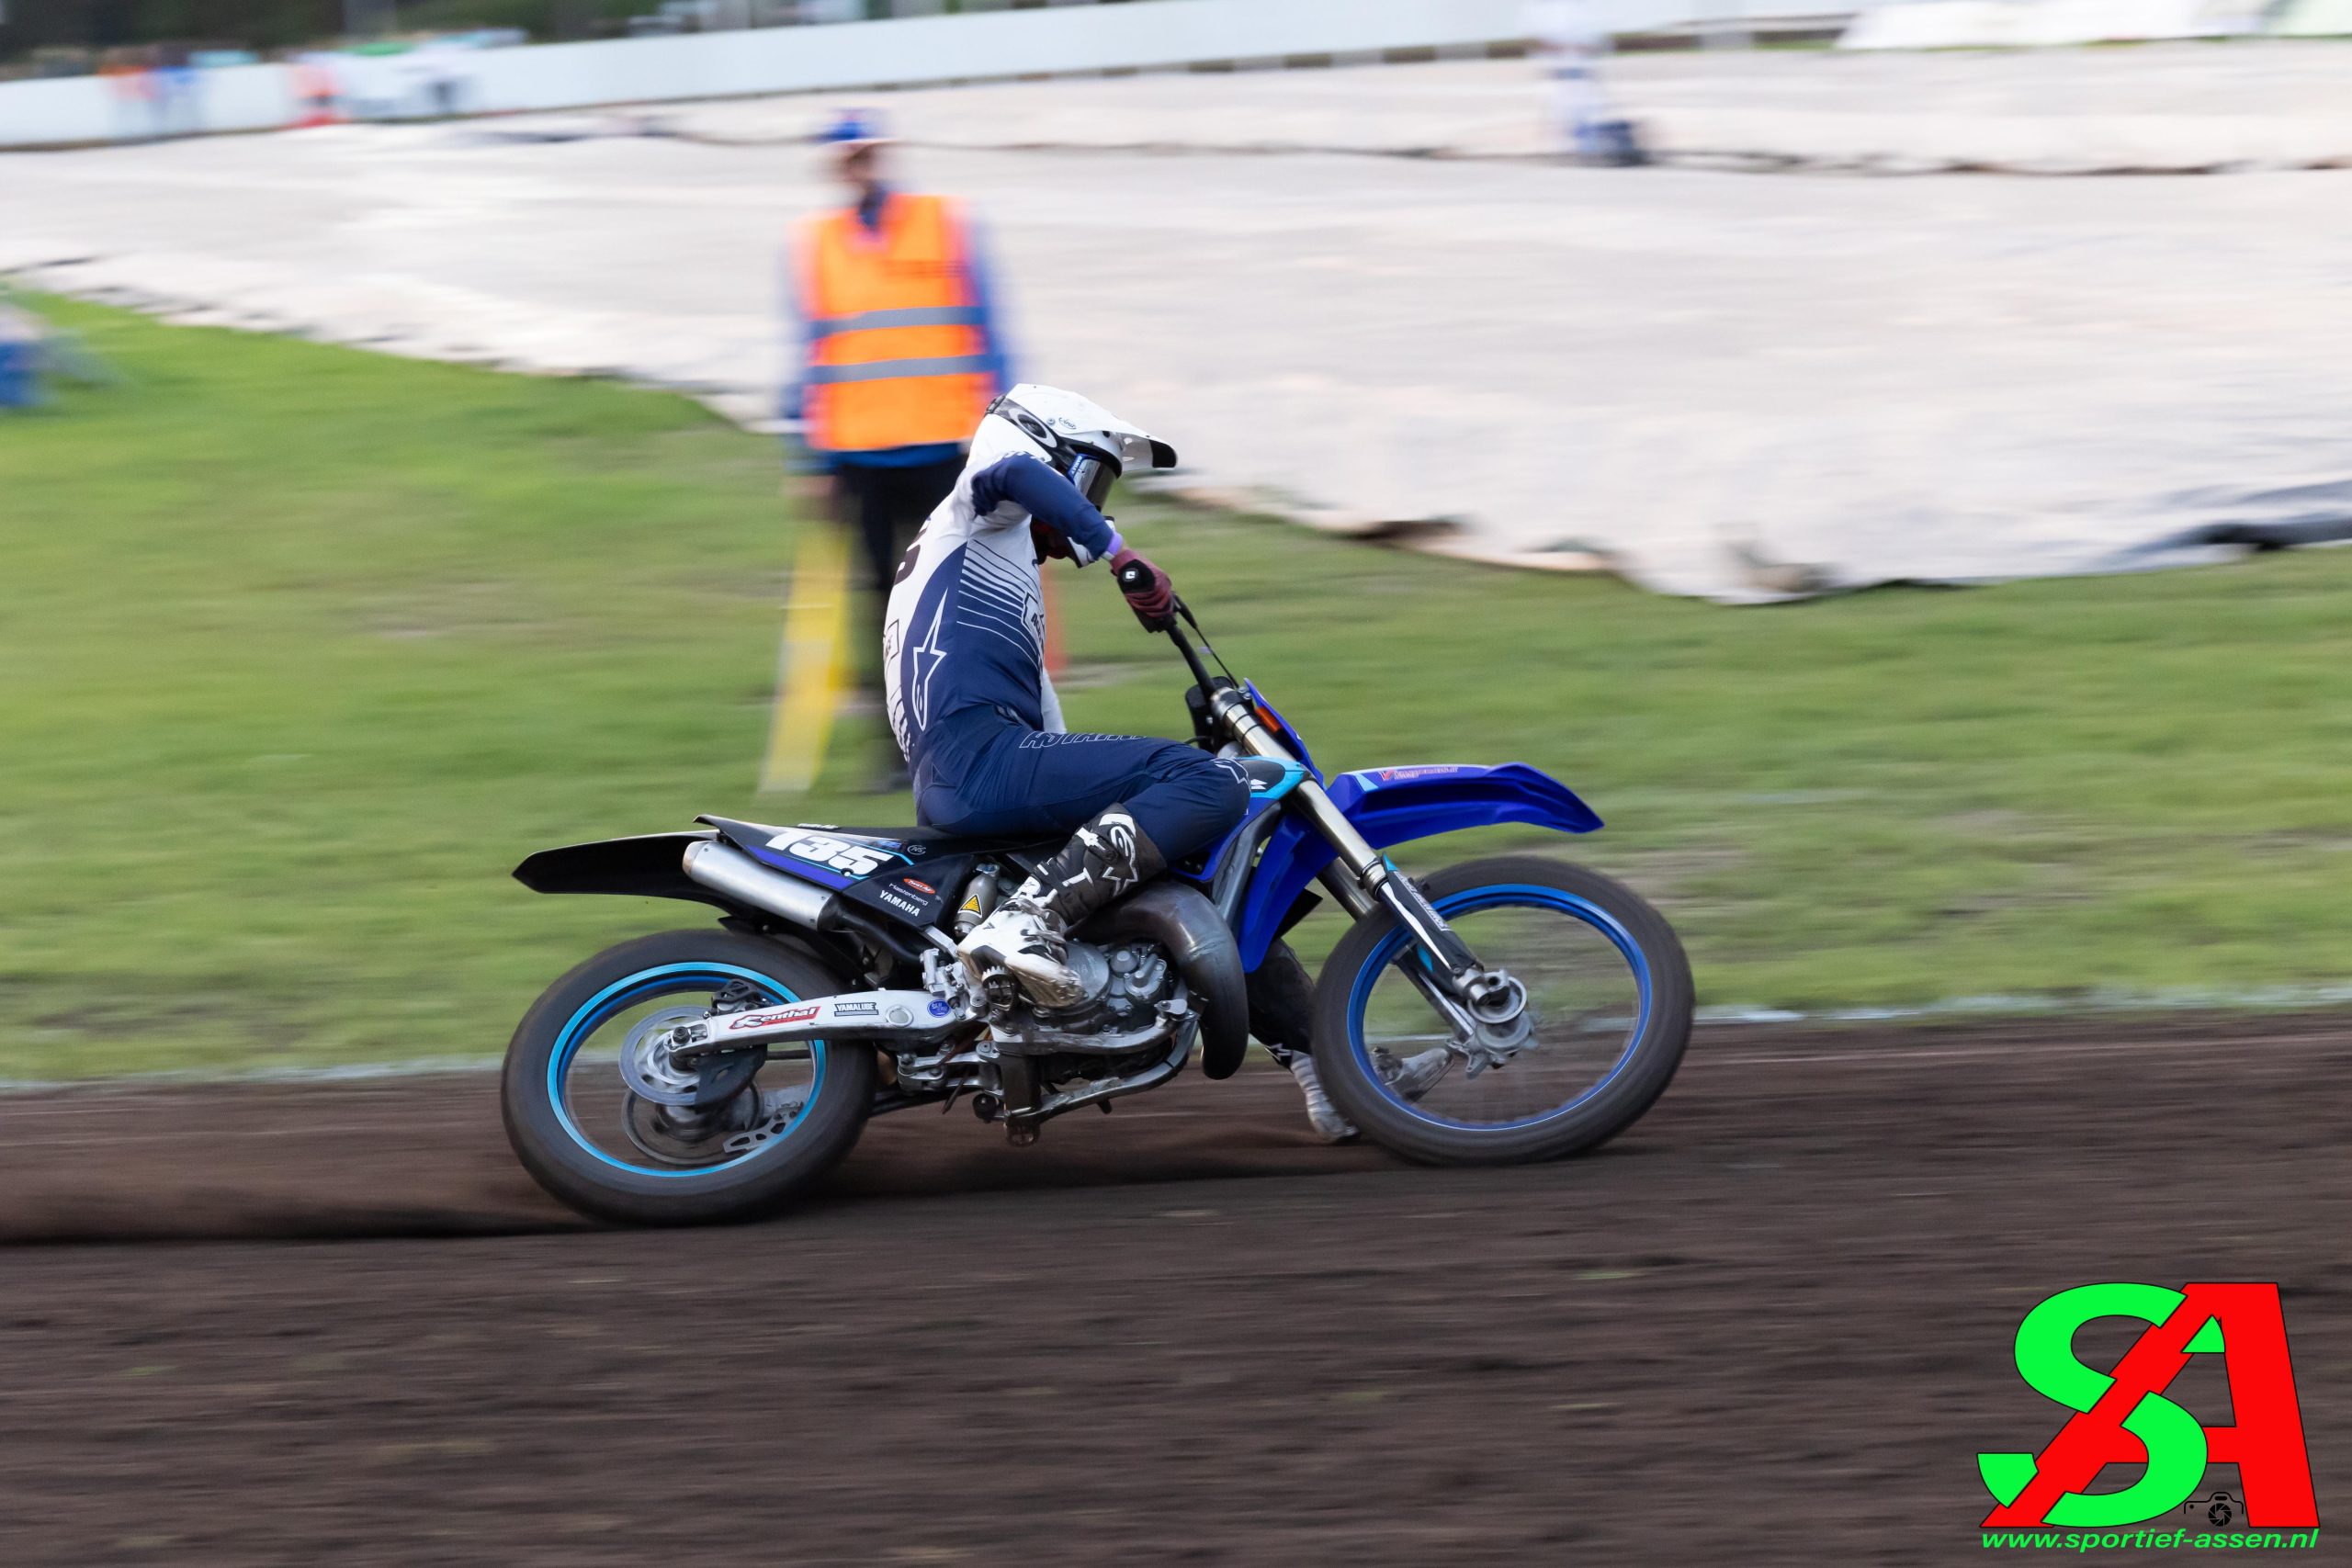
[1148,593]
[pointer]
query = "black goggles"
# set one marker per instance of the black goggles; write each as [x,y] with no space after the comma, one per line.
[1093,475]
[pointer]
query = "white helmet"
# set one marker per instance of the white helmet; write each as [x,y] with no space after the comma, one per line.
[1084,441]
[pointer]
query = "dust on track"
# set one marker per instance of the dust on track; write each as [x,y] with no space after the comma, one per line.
[302,1324]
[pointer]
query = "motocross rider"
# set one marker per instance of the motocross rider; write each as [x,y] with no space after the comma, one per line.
[963,651]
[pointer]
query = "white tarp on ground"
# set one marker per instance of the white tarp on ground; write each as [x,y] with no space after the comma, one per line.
[2317,18]
[1732,385]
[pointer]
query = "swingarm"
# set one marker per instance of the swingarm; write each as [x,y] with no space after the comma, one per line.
[908,1019]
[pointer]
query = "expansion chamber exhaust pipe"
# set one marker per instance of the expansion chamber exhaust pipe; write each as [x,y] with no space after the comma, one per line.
[1201,945]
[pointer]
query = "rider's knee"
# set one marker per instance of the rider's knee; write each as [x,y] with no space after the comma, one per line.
[1233,796]
[1193,801]
[1223,793]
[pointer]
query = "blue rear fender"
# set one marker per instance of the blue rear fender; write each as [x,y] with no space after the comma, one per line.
[1395,805]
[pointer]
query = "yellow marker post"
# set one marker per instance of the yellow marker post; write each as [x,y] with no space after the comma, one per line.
[813,664]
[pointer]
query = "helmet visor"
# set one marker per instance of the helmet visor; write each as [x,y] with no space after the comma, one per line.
[1092,475]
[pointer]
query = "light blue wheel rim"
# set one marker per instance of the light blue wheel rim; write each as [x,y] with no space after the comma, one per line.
[643,986]
[1523,894]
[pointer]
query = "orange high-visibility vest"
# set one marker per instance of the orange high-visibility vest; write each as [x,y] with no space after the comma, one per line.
[897,356]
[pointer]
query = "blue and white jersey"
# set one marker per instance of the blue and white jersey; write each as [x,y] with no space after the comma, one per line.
[966,626]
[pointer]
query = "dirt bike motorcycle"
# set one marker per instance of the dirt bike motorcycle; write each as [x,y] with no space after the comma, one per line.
[711,1074]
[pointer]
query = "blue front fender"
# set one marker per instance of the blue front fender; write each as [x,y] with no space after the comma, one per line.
[1392,805]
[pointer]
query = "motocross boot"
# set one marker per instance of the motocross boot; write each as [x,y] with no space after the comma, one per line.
[1410,1078]
[1028,934]
[1321,1114]
[1416,1075]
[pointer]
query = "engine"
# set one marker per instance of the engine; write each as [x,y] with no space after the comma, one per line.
[1125,984]
[1160,969]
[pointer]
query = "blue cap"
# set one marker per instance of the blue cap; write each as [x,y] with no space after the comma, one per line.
[854,127]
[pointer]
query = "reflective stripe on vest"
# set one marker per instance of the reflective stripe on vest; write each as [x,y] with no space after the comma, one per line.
[916,316]
[897,369]
[896,357]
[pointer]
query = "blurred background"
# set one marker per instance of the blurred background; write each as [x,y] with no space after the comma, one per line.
[295,621]
[1881,455]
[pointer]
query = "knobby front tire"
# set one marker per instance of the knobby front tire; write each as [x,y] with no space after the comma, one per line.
[1609,992]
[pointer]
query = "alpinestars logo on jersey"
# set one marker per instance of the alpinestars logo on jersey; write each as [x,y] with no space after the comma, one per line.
[926,656]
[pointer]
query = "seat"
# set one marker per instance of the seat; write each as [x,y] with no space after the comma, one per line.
[757,835]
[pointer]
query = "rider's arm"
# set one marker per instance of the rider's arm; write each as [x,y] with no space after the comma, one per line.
[1049,498]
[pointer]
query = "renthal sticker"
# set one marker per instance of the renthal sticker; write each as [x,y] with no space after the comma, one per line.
[856,1009]
[839,855]
[925,889]
[899,901]
[771,1019]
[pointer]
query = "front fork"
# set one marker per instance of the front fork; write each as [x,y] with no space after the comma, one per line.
[1486,1007]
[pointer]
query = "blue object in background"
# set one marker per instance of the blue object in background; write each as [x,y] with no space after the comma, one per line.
[19,372]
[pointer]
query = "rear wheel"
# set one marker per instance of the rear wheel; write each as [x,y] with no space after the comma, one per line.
[601,1120]
[1608,1012]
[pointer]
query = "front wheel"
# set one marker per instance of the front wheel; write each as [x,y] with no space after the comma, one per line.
[1607,1004]
[605,1124]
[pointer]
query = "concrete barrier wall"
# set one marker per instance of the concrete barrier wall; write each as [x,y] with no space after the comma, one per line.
[1075,39]
[2028,23]
[910,52]
[91,108]
[942,49]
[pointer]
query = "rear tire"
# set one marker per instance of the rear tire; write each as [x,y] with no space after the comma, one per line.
[571,1167]
[1638,1076]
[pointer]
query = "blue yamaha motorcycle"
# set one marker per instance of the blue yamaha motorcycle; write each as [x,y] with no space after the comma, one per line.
[711,1074]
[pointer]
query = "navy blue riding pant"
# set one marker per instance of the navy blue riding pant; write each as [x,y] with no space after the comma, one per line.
[982,774]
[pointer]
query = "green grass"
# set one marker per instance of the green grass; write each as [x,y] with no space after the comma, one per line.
[304,649]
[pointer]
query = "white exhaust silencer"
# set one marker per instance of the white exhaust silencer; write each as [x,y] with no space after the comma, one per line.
[737,874]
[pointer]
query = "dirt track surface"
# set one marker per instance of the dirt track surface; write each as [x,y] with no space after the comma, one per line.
[336,1325]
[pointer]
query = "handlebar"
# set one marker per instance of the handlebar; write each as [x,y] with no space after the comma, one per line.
[1136,574]
[1201,676]
[1207,683]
